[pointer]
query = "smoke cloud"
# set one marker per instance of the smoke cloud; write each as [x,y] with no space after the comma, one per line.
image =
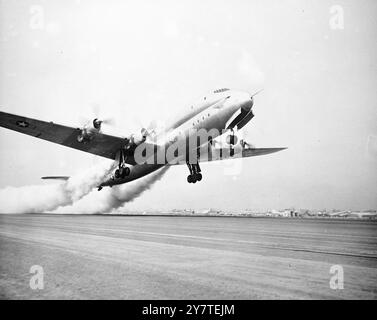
[41,198]
[113,198]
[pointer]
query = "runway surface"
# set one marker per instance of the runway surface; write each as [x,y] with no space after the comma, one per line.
[158,257]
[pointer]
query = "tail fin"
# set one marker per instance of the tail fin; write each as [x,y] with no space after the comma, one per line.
[56,178]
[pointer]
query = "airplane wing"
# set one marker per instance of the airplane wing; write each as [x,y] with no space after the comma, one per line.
[101,145]
[216,154]
[106,145]
[224,154]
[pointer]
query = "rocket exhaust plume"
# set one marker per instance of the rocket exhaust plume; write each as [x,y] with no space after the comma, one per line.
[41,198]
[110,199]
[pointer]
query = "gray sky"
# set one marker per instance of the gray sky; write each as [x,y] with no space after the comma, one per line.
[149,59]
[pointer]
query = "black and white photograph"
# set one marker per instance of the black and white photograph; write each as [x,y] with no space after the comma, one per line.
[188,151]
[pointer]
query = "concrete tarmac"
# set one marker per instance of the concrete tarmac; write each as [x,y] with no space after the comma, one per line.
[162,257]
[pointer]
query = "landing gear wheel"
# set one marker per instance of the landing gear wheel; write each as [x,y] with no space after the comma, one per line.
[191,178]
[124,171]
[195,174]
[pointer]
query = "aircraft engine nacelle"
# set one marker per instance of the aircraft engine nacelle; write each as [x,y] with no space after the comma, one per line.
[97,124]
[89,131]
[138,138]
[231,139]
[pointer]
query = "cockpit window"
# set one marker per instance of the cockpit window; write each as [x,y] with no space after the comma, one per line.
[220,90]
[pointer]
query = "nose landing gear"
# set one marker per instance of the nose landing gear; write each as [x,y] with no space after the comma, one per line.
[195,174]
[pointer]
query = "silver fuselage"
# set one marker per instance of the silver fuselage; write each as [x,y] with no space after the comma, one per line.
[211,112]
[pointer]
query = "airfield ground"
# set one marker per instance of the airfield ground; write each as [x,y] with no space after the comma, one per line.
[161,257]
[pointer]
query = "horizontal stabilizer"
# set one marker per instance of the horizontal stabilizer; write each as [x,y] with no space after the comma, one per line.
[55,178]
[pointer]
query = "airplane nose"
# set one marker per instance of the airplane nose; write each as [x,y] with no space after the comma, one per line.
[246,107]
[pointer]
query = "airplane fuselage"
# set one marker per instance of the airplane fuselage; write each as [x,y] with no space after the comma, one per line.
[216,112]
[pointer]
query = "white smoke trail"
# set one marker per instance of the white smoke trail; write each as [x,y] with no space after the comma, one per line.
[109,199]
[41,198]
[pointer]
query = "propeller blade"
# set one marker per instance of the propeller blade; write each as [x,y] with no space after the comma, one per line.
[254,94]
[109,121]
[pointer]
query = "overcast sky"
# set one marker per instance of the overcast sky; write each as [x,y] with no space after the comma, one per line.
[145,60]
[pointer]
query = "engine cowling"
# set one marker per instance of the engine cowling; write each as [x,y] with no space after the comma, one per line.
[97,124]
[138,138]
[89,131]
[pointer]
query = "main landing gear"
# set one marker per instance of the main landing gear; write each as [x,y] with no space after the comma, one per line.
[195,174]
[122,171]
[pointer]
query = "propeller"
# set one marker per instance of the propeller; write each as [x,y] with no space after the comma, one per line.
[254,94]
[96,109]
[147,130]
[98,120]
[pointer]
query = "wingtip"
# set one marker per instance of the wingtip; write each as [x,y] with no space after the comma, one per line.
[278,149]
